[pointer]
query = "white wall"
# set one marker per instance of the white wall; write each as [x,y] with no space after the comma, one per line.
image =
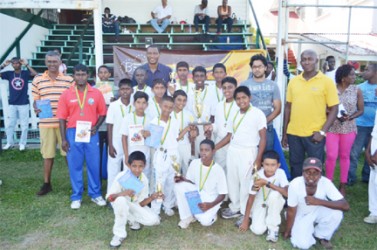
[11,28]
[182,9]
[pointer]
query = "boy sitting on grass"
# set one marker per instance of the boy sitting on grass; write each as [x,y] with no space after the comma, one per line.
[266,198]
[127,206]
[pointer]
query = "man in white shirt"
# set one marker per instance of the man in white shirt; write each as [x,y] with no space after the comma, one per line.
[328,68]
[201,16]
[161,16]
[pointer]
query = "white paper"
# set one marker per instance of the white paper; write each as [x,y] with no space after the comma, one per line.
[135,138]
[83,131]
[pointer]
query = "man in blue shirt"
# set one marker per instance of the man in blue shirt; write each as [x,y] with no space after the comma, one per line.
[18,99]
[364,123]
[155,70]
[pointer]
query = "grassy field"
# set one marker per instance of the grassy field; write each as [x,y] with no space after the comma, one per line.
[31,222]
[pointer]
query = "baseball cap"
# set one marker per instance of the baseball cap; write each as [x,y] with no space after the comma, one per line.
[312,163]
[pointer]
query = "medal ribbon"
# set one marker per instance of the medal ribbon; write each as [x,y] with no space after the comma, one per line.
[121,109]
[81,104]
[265,196]
[157,107]
[166,133]
[135,121]
[175,115]
[218,95]
[201,185]
[239,122]
[226,114]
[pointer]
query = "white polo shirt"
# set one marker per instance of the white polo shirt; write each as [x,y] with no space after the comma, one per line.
[183,118]
[172,134]
[223,110]
[116,112]
[278,179]
[162,12]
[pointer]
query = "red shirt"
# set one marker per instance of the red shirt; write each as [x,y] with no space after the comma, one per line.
[69,108]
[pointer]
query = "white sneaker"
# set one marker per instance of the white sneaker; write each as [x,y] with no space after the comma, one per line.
[134,225]
[371,219]
[22,147]
[183,224]
[116,241]
[7,146]
[272,236]
[169,211]
[76,204]
[99,201]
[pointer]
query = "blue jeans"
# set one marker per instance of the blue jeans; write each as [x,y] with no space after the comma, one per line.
[362,139]
[114,28]
[300,148]
[20,112]
[205,20]
[78,152]
[229,24]
[159,28]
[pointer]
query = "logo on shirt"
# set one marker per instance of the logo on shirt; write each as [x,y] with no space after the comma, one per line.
[90,101]
[17,83]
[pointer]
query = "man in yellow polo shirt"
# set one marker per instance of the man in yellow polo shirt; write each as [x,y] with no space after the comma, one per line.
[49,86]
[305,119]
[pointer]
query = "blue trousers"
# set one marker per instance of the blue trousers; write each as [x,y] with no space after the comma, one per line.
[205,20]
[300,148]
[270,137]
[159,28]
[362,139]
[78,152]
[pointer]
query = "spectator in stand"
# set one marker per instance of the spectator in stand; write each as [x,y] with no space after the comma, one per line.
[49,86]
[62,67]
[155,70]
[224,12]
[365,122]
[161,16]
[110,23]
[328,67]
[18,99]
[270,72]
[342,133]
[201,16]
[305,118]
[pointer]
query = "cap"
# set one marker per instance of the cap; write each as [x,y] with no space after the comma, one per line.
[312,163]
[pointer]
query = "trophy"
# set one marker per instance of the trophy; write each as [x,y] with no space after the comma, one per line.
[199,108]
[176,165]
[159,190]
[172,78]
[255,176]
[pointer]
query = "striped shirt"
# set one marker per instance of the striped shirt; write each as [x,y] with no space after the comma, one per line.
[43,87]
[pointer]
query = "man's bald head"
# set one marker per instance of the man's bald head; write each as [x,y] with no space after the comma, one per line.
[309,52]
[309,61]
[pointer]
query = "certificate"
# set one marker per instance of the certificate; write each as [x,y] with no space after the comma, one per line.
[83,133]
[135,138]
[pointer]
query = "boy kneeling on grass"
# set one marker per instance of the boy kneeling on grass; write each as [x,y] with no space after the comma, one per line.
[129,207]
[266,198]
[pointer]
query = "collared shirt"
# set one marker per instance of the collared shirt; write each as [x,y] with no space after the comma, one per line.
[309,100]
[69,108]
[370,104]
[162,72]
[44,88]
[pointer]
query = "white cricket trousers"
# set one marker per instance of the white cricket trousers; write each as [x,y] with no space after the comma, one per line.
[185,156]
[220,156]
[263,218]
[125,210]
[114,164]
[164,175]
[207,218]
[239,161]
[372,186]
[321,223]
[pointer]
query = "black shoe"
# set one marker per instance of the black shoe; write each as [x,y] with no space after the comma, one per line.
[46,188]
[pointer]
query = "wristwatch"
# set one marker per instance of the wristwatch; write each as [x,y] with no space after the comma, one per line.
[321,132]
[268,184]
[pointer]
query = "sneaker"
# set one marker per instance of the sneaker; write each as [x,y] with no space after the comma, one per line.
[134,225]
[46,188]
[76,204]
[22,147]
[371,219]
[183,224]
[272,236]
[99,201]
[239,221]
[169,211]
[227,213]
[7,146]
[116,241]
[325,243]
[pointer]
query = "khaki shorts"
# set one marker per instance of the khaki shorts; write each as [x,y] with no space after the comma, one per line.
[50,137]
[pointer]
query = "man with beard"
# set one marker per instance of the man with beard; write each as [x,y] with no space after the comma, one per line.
[265,94]
[315,207]
[155,70]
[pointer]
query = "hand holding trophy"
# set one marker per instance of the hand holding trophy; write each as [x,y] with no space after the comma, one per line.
[255,177]
[172,86]
[176,165]
[199,108]
[160,194]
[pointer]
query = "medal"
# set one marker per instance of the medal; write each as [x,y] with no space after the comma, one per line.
[81,113]
[264,205]
[161,149]
[224,125]
[81,103]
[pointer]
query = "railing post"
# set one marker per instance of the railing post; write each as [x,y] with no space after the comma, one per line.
[80,51]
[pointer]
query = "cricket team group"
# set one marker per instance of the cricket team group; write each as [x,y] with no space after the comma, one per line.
[183,136]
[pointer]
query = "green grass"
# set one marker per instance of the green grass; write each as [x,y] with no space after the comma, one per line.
[31,222]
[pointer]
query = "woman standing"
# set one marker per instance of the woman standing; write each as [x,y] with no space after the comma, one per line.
[224,12]
[342,133]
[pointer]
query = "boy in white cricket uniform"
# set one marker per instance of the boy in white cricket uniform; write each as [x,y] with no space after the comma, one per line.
[182,71]
[127,206]
[164,154]
[138,117]
[247,140]
[117,112]
[315,207]
[225,111]
[141,77]
[159,90]
[184,118]
[219,73]
[371,157]
[266,199]
[206,177]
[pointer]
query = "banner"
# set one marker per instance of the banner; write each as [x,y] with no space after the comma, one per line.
[126,60]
